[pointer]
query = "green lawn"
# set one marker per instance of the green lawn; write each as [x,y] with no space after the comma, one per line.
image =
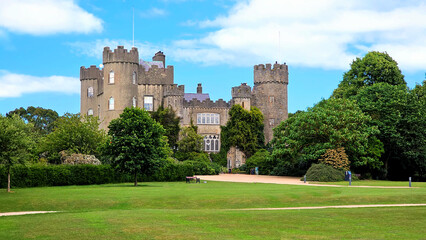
[204,211]
[376,183]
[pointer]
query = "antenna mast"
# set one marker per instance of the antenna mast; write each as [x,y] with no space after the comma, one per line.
[133,30]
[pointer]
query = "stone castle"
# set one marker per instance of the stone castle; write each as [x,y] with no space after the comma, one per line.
[126,81]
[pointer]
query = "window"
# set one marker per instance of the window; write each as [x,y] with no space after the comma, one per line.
[134,101]
[242,104]
[111,103]
[90,112]
[208,118]
[148,103]
[111,77]
[134,78]
[271,122]
[90,92]
[271,99]
[211,143]
[99,111]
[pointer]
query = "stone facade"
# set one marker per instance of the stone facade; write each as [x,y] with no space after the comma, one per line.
[126,81]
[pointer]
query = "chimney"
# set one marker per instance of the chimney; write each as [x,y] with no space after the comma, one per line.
[199,88]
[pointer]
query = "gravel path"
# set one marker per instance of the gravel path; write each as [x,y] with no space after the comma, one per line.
[341,206]
[24,213]
[245,178]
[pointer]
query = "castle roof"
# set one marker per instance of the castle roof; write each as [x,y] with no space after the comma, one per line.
[199,96]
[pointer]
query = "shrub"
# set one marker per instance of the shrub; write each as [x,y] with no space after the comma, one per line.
[261,160]
[62,175]
[337,158]
[284,168]
[192,156]
[324,173]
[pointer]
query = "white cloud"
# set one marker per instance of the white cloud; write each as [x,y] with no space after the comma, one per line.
[15,85]
[327,34]
[43,17]
[153,12]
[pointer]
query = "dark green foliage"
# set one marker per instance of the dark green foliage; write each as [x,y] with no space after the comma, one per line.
[219,158]
[72,133]
[297,168]
[243,130]
[61,175]
[374,67]
[260,159]
[400,116]
[137,143]
[41,118]
[324,173]
[332,123]
[170,122]
[192,156]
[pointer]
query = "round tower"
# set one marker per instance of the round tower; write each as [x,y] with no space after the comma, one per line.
[120,77]
[270,95]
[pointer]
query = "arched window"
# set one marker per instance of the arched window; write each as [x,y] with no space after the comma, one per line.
[90,112]
[134,76]
[111,103]
[90,92]
[134,103]
[211,143]
[111,77]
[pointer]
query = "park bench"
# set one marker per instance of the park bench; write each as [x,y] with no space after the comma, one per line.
[188,179]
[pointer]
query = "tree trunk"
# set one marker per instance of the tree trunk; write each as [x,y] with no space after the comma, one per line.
[8,181]
[136,179]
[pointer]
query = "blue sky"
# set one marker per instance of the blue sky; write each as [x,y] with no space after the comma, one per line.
[43,43]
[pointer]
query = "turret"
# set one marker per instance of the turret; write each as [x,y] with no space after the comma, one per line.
[241,95]
[159,56]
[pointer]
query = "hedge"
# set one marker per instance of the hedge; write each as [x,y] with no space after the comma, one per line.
[62,175]
[324,173]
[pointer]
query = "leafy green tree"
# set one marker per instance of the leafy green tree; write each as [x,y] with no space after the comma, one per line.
[170,122]
[73,133]
[400,115]
[137,144]
[374,67]
[302,139]
[15,142]
[41,118]
[190,145]
[243,130]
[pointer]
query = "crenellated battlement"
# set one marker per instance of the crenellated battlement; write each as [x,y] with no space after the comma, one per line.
[174,90]
[156,75]
[242,91]
[120,55]
[195,103]
[265,73]
[90,73]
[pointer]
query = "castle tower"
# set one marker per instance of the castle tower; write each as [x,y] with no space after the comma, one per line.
[160,57]
[270,95]
[120,80]
[91,87]
[241,95]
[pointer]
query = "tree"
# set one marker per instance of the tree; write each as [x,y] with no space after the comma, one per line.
[15,142]
[400,115]
[374,67]
[190,145]
[243,130]
[73,133]
[41,118]
[302,139]
[137,144]
[170,122]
